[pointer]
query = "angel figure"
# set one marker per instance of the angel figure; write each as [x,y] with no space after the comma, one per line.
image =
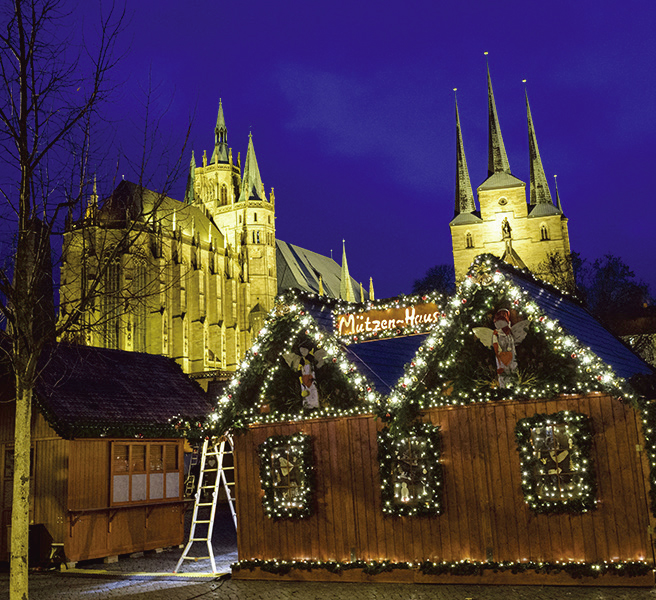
[503,339]
[306,362]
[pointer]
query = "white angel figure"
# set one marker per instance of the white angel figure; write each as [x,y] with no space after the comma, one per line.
[503,340]
[305,363]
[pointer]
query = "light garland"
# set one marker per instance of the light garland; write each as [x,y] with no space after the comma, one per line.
[459,568]
[295,455]
[404,502]
[477,298]
[544,498]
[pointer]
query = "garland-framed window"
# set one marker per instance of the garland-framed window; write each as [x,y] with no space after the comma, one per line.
[410,471]
[286,464]
[554,451]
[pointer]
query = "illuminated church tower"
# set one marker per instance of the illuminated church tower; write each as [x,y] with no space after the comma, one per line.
[522,234]
[241,210]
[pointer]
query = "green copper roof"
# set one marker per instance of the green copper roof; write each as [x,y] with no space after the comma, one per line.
[497,159]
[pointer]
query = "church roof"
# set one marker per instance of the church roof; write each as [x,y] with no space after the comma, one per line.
[84,391]
[300,269]
[251,182]
[543,210]
[497,161]
[501,180]
[137,203]
[465,218]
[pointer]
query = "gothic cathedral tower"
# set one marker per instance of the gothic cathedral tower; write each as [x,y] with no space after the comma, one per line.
[522,234]
[239,207]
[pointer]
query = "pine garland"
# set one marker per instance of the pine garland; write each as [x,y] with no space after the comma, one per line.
[431,479]
[296,508]
[582,498]
[464,568]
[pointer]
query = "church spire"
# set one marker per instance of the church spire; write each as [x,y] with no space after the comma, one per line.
[464,195]
[559,206]
[497,159]
[540,193]
[189,197]
[345,287]
[251,184]
[220,153]
[371,288]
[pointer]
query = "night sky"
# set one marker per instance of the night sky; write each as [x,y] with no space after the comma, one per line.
[352,114]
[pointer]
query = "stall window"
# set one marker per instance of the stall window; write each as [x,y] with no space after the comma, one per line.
[145,472]
[557,475]
[286,476]
[410,471]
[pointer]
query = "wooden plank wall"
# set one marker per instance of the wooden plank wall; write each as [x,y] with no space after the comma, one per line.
[484,518]
[117,531]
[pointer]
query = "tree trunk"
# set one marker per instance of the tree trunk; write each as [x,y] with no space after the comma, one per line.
[20,512]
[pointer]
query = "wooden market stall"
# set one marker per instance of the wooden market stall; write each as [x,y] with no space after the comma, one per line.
[444,476]
[107,465]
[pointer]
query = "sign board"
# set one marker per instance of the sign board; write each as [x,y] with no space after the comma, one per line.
[405,320]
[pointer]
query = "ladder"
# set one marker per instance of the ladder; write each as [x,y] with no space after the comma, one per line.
[210,478]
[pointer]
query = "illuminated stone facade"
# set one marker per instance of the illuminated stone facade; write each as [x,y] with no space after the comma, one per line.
[523,234]
[192,280]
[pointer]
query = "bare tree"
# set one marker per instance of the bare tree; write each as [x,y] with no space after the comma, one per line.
[51,91]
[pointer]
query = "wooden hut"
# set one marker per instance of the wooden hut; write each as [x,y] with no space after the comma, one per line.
[107,464]
[426,460]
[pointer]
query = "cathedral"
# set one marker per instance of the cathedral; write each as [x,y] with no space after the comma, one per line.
[192,280]
[523,234]
[195,279]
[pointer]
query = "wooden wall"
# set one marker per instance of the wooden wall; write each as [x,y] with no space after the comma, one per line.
[485,516]
[93,529]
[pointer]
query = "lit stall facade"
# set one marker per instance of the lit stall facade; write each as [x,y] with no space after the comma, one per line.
[107,464]
[435,449]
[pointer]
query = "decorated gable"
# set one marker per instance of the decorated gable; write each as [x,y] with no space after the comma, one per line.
[296,369]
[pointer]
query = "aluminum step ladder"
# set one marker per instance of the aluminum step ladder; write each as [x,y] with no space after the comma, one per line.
[211,476]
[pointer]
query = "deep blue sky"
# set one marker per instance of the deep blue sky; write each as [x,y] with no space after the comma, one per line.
[351,109]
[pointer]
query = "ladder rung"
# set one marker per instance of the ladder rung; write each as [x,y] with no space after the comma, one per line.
[195,557]
[196,522]
[210,470]
[204,504]
[198,540]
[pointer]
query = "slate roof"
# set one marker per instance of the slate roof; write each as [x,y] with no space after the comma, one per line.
[580,323]
[90,392]
[383,361]
[299,269]
[499,181]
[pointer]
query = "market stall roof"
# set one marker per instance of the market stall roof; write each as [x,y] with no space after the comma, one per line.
[90,392]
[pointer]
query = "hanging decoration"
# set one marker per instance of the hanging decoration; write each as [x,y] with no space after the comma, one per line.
[286,473]
[554,450]
[503,340]
[305,362]
[410,471]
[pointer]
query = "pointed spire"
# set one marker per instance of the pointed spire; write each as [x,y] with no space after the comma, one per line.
[220,153]
[251,184]
[558,204]
[497,159]
[345,287]
[92,205]
[540,193]
[371,288]
[189,197]
[321,292]
[361,293]
[464,195]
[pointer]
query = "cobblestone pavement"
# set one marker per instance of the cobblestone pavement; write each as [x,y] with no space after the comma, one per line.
[131,578]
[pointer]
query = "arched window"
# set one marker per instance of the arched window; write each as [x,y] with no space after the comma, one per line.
[110,304]
[255,217]
[544,232]
[140,310]
[224,195]
[258,237]
[469,240]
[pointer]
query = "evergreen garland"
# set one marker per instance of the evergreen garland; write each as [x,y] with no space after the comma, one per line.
[582,498]
[576,570]
[301,506]
[431,479]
